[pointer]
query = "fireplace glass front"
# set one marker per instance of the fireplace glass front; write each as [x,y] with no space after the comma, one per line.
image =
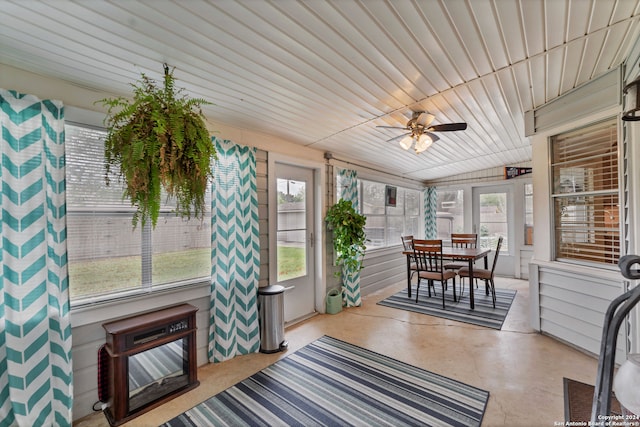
[157,372]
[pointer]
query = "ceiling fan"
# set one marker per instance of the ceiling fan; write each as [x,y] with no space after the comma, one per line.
[420,131]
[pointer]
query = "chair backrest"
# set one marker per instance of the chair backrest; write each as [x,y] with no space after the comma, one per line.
[407,242]
[428,255]
[495,258]
[464,240]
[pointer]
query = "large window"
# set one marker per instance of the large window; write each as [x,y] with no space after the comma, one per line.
[449,216]
[385,222]
[585,194]
[105,254]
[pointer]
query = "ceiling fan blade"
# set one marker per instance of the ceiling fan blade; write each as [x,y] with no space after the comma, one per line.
[424,119]
[395,138]
[392,127]
[448,127]
[433,136]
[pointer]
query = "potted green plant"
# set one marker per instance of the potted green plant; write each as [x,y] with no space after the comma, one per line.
[349,246]
[159,140]
[348,235]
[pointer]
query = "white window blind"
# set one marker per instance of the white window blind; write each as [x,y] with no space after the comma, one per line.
[106,255]
[585,194]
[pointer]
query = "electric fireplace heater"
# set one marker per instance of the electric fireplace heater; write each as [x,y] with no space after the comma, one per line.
[150,359]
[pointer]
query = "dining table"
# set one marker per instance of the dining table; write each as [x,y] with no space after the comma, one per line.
[471,255]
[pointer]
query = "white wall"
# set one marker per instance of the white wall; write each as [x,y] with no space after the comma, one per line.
[569,300]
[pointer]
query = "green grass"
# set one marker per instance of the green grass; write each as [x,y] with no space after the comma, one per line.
[94,277]
[103,276]
[291,262]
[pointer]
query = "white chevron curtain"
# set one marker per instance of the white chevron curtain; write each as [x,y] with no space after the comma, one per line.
[430,209]
[349,187]
[235,254]
[350,279]
[36,386]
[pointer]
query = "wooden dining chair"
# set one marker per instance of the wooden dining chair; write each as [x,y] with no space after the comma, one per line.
[428,257]
[461,240]
[407,243]
[484,274]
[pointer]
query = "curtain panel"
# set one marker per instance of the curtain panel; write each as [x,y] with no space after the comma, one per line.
[36,386]
[235,253]
[350,279]
[430,209]
[349,187]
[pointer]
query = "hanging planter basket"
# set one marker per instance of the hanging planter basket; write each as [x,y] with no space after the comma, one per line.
[159,140]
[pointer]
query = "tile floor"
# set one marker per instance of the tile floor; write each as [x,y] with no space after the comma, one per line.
[521,369]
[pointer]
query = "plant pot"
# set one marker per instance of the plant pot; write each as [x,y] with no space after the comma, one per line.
[334,301]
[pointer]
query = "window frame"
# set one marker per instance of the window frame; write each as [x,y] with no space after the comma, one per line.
[556,195]
[146,248]
[405,216]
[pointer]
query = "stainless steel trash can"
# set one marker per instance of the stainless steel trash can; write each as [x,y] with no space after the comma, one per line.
[271,311]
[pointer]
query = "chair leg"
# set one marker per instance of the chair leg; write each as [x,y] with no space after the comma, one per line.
[454,289]
[493,292]
[418,289]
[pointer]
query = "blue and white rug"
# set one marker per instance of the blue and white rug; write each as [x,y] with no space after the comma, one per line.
[333,383]
[482,315]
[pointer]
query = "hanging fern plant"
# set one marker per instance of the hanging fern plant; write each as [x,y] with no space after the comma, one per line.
[159,140]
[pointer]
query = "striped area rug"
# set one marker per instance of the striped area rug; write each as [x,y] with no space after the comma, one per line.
[333,383]
[483,315]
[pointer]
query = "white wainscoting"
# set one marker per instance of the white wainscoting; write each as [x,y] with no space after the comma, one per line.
[569,302]
[383,267]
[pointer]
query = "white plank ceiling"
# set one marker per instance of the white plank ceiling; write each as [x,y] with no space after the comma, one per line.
[324,74]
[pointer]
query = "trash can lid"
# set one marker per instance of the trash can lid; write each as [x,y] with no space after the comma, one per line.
[270,290]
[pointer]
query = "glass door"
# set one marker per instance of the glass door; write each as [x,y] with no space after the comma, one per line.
[295,239]
[492,218]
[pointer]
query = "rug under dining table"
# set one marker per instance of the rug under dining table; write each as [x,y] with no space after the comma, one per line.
[330,382]
[482,315]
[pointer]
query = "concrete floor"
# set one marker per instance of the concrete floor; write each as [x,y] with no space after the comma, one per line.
[521,369]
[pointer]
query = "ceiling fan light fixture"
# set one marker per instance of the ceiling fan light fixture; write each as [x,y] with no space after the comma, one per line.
[418,131]
[422,143]
[406,142]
